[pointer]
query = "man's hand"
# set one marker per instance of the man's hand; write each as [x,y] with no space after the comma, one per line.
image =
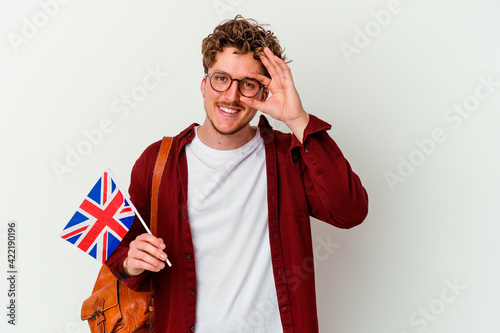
[145,253]
[284,104]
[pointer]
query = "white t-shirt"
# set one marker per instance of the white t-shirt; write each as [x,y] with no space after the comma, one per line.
[227,205]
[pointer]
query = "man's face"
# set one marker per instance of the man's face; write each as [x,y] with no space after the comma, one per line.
[225,111]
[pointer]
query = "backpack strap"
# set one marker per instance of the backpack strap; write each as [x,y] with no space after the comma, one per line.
[161,160]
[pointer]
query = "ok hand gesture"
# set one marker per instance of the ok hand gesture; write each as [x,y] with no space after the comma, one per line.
[284,103]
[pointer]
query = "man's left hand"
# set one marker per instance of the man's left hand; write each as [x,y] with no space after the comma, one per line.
[284,103]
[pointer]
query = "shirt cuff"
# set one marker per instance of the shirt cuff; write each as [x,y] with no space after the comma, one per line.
[314,125]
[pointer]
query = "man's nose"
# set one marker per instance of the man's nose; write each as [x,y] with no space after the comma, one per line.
[233,93]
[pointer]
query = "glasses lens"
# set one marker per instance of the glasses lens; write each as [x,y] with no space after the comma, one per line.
[249,87]
[220,81]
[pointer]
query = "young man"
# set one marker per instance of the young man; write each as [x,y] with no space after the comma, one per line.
[235,199]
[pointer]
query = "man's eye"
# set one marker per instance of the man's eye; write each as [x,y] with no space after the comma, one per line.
[249,84]
[221,78]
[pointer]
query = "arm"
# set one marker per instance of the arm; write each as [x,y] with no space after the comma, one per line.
[334,191]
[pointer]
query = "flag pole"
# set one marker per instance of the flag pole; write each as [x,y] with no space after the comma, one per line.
[132,206]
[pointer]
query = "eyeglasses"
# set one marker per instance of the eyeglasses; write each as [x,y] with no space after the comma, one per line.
[220,82]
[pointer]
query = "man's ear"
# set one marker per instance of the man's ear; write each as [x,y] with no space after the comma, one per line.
[202,86]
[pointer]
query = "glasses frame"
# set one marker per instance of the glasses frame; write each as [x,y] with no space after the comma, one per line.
[230,84]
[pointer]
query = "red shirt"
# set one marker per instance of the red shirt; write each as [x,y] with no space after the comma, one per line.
[303,180]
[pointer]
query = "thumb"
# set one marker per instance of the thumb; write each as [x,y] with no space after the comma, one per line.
[253,103]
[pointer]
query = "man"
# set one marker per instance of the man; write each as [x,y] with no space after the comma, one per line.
[235,200]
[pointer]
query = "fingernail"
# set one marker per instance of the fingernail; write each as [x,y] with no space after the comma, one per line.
[163,256]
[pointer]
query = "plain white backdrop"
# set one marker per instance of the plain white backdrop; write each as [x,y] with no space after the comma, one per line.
[411,88]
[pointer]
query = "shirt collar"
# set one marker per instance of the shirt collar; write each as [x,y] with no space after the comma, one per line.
[186,136]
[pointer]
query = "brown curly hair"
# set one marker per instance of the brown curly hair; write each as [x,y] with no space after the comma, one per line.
[245,35]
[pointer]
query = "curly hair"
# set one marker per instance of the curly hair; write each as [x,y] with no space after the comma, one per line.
[245,35]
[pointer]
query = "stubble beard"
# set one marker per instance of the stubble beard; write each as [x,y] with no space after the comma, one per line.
[236,130]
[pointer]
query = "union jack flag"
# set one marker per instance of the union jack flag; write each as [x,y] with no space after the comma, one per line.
[101,221]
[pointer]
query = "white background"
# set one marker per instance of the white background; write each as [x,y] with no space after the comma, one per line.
[438,227]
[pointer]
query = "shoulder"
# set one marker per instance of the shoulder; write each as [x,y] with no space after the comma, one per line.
[151,151]
[144,165]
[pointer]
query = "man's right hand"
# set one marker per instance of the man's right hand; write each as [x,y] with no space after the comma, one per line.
[145,253]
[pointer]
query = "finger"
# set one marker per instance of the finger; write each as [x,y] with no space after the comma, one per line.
[284,66]
[129,270]
[278,61]
[253,103]
[140,260]
[270,55]
[157,242]
[139,245]
[135,266]
[271,68]
[261,78]
[283,69]
[273,59]
[281,65]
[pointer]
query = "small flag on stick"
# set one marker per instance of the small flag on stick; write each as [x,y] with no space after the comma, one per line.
[102,220]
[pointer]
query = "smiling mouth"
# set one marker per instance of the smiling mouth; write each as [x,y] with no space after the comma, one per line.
[227,109]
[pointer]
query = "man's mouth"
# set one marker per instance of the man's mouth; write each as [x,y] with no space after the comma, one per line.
[228,109]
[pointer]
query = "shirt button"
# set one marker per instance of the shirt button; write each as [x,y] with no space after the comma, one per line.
[185,217]
[191,328]
[306,150]
[190,256]
[192,293]
[295,157]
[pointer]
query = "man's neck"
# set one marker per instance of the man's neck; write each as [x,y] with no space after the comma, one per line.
[213,139]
